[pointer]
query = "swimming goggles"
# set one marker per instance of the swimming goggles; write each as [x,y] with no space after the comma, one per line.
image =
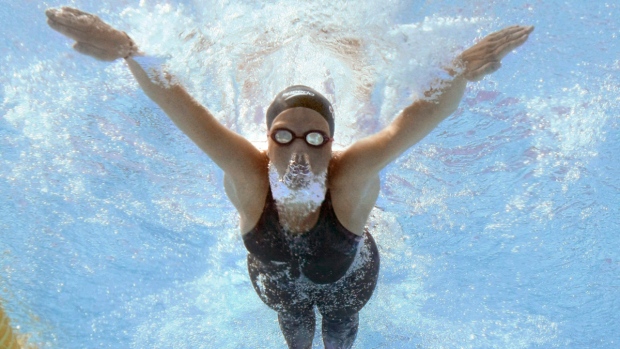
[313,138]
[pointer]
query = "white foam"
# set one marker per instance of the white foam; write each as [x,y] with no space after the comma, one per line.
[298,192]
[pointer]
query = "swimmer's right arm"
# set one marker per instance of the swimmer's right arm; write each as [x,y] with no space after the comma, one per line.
[230,151]
[234,154]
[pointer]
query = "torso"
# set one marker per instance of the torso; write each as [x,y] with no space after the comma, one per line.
[351,202]
[323,253]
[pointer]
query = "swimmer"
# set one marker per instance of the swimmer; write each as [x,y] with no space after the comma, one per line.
[303,208]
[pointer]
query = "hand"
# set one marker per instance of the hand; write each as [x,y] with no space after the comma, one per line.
[484,57]
[93,36]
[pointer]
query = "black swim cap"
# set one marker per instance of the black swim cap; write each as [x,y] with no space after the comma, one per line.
[301,96]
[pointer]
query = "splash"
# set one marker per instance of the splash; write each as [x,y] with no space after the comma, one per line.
[299,191]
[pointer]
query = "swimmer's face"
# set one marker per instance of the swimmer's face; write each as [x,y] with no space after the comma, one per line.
[300,120]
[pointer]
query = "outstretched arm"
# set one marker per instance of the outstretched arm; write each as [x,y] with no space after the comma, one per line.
[234,154]
[362,162]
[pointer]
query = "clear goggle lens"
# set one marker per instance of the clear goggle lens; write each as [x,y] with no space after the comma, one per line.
[312,138]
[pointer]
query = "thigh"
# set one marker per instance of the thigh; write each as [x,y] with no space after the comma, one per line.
[348,295]
[277,287]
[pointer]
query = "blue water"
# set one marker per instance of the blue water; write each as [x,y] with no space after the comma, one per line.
[498,230]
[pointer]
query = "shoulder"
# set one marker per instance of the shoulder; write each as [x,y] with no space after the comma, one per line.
[248,192]
[343,172]
[353,197]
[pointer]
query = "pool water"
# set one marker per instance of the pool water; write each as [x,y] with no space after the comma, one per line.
[498,230]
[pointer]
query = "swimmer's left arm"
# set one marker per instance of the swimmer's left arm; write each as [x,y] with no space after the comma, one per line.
[362,161]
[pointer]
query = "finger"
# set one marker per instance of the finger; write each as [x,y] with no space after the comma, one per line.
[72,33]
[91,34]
[509,36]
[506,48]
[62,15]
[90,50]
[491,46]
[498,35]
[75,11]
[511,33]
[501,49]
[515,29]
[50,12]
[75,18]
[56,15]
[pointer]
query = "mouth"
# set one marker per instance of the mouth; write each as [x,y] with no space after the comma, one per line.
[298,185]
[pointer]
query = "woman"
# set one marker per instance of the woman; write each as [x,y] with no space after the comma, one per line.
[303,208]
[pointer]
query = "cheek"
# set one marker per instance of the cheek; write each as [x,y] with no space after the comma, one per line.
[320,160]
[279,156]
[283,154]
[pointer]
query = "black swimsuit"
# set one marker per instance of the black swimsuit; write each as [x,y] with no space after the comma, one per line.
[328,266]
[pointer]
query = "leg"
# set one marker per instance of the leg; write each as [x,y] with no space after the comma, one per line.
[297,328]
[340,333]
[276,288]
[340,303]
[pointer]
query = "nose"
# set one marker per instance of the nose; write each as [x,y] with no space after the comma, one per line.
[300,159]
[299,146]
